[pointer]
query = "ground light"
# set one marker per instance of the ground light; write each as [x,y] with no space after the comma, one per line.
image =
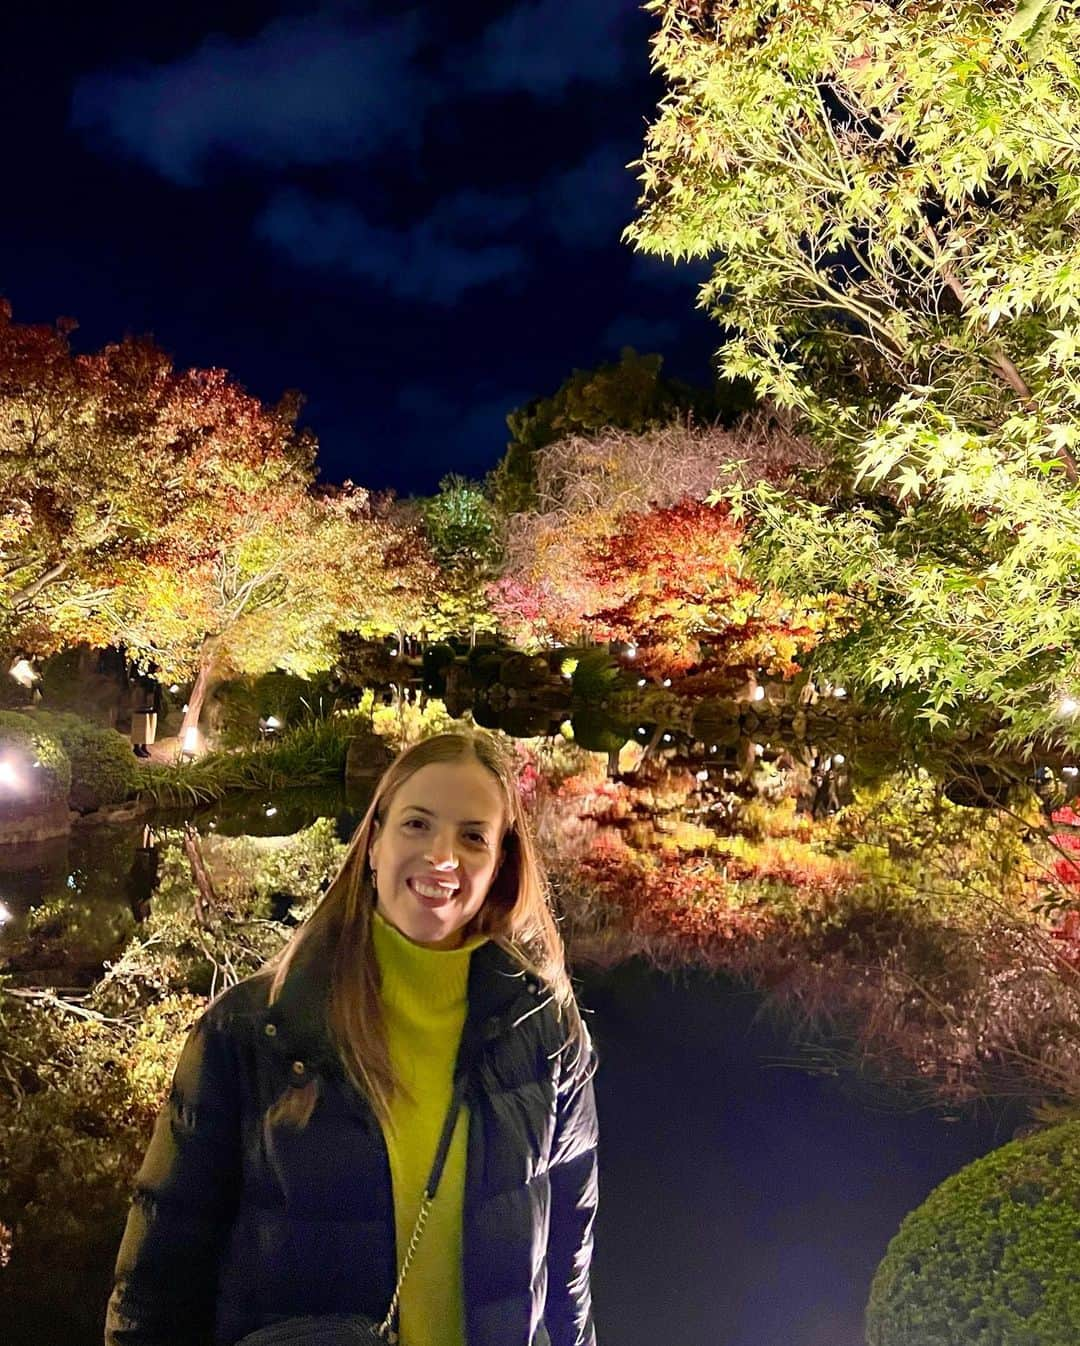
[9,774]
[5,914]
[1068,706]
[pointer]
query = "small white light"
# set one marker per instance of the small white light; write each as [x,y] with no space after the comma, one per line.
[184,711]
[1070,770]
[9,777]
[759,693]
[667,738]
[631,651]
[758,750]
[174,688]
[667,682]
[840,692]
[641,682]
[838,759]
[5,914]
[713,748]
[1068,706]
[702,775]
[272,722]
[71,881]
[393,654]
[641,729]
[271,811]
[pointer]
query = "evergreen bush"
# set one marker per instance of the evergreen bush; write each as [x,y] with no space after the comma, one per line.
[103,767]
[37,752]
[992,1257]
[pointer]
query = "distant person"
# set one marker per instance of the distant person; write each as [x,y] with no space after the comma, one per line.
[419,1031]
[146,706]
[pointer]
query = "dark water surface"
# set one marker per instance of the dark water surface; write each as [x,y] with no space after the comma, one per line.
[743,1202]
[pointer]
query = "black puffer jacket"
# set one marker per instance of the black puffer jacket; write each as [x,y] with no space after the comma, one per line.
[227,1233]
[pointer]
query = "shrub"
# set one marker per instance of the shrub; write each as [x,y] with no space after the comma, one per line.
[292,700]
[36,751]
[991,1258]
[595,674]
[103,768]
[76,1104]
[307,755]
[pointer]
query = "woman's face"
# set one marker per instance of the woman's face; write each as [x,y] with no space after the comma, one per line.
[437,850]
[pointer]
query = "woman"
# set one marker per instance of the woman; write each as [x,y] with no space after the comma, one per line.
[286,1172]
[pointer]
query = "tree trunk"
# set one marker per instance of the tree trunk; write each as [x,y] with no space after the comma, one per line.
[205,896]
[200,687]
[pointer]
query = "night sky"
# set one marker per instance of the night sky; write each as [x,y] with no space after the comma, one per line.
[412,215]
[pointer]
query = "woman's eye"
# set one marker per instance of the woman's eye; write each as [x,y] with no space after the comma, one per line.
[479,838]
[419,821]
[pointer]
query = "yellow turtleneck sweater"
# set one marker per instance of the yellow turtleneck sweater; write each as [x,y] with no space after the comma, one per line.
[424,1002]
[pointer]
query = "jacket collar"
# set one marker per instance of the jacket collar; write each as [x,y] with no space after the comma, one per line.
[499,992]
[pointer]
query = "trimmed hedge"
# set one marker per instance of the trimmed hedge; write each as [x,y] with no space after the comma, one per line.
[29,741]
[103,767]
[992,1257]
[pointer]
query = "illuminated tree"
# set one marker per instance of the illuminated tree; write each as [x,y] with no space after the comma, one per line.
[287,571]
[676,588]
[464,533]
[81,475]
[630,395]
[889,196]
[585,486]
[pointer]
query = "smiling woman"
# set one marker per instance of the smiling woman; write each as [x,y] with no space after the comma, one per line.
[423,1010]
[432,867]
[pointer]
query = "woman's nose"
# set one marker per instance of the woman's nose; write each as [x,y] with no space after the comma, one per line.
[441,854]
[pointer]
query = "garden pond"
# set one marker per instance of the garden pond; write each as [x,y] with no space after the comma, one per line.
[746,1200]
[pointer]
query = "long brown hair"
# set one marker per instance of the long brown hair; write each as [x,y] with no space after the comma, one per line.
[516,914]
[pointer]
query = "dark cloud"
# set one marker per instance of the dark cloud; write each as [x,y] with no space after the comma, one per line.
[543,46]
[644,334]
[304,90]
[591,204]
[427,261]
[661,273]
[471,435]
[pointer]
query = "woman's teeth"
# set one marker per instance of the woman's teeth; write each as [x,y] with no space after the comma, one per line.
[432,889]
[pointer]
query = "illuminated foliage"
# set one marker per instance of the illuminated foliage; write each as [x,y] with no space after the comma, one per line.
[674,584]
[630,395]
[991,1255]
[464,532]
[888,194]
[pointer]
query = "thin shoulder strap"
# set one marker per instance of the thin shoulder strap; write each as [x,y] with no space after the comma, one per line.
[386,1327]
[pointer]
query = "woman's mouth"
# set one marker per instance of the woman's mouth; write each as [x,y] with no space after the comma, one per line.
[433,894]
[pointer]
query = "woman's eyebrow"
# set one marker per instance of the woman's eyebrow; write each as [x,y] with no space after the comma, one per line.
[466,822]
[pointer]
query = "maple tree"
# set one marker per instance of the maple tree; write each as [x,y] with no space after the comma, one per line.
[173,512]
[888,198]
[675,586]
[80,476]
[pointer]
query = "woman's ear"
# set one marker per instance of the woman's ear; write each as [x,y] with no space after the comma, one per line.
[373,843]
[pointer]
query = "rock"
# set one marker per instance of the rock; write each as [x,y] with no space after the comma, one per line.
[41,826]
[368,756]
